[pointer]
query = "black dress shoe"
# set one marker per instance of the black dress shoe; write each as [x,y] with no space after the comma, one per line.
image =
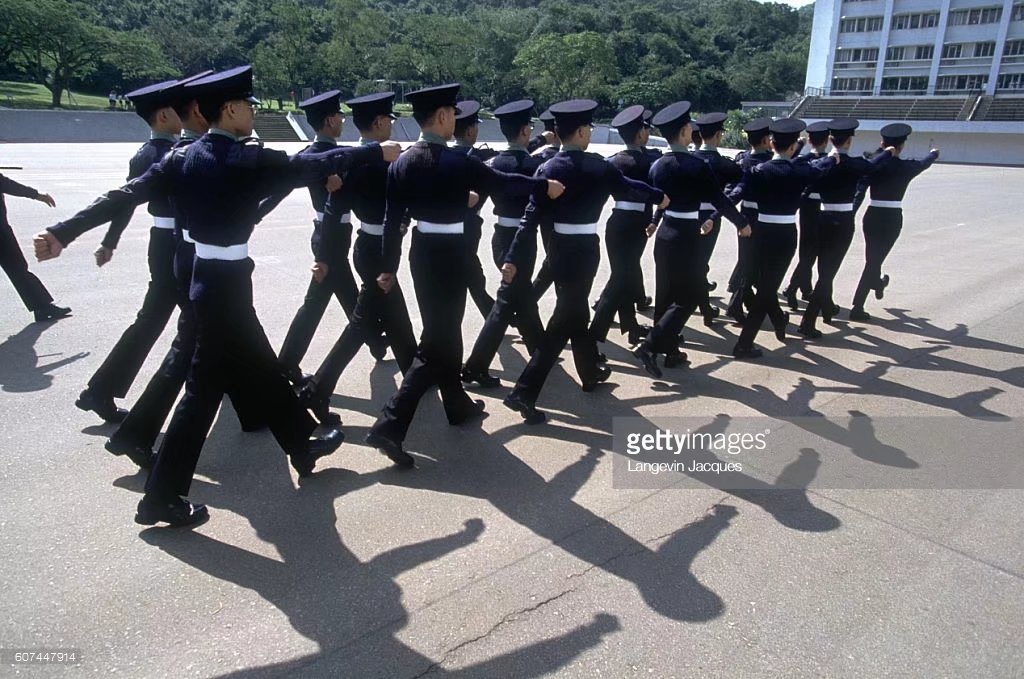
[102,406]
[529,411]
[857,314]
[780,330]
[648,360]
[319,405]
[644,303]
[484,379]
[791,300]
[51,312]
[174,511]
[601,358]
[304,460]
[712,286]
[294,375]
[883,282]
[637,334]
[601,375]
[140,455]
[379,348]
[471,412]
[392,449]
[676,359]
[835,309]
[746,352]
[808,332]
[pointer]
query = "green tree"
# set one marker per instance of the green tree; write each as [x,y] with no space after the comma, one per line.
[563,67]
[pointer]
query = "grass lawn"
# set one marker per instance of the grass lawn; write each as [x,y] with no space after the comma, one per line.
[30,95]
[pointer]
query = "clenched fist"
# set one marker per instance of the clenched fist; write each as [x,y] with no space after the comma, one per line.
[555,188]
[391,150]
[47,246]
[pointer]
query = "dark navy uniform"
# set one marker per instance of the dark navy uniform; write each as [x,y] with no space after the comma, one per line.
[515,299]
[810,214]
[777,187]
[883,219]
[430,183]
[574,254]
[745,271]
[625,235]
[836,222]
[33,293]
[542,282]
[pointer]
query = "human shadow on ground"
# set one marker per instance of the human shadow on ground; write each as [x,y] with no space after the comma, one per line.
[20,367]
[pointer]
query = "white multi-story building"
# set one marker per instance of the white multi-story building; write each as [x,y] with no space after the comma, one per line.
[916,47]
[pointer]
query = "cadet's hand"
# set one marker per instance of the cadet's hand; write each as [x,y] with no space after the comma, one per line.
[936,152]
[508,272]
[555,188]
[319,270]
[386,281]
[333,183]
[549,136]
[891,150]
[664,203]
[651,228]
[474,198]
[47,246]
[46,198]
[745,232]
[838,157]
[390,149]
[706,227]
[103,254]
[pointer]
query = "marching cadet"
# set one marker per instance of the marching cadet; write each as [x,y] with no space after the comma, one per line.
[332,274]
[643,301]
[810,213]
[883,219]
[364,194]
[467,127]
[155,105]
[217,183]
[627,231]
[728,173]
[515,299]
[543,280]
[745,271]
[777,187]
[574,253]
[431,184]
[836,221]
[688,181]
[33,293]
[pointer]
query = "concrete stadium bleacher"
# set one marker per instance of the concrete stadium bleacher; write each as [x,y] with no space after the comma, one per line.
[1006,109]
[887,108]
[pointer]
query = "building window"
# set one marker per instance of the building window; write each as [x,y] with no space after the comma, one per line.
[953,51]
[860,25]
[975,16]
[1018,13]
[894,54]
[904,21]
[924,52]
[1013,48]
[852,84]
[984,49]
[912,83]
[951,83]
[1011,81]
[857,54]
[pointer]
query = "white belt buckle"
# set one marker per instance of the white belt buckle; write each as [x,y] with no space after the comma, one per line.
[225,253]
[435,228]
[575,229]
[630,205]
[837,207]
[776,219]
[682,215]
[163,222]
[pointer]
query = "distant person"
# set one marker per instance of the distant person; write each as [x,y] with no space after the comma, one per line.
[112,99]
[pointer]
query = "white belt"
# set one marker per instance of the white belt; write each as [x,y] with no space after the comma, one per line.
[344,219]
[433,227]
[186,236]
[752,204]
[894,204]
[837,207]
[371,229]
[575,229]
[707,207]
[163,222]
[682,215]
[814,196]
[776,219]
[230,253]
[510,222]
[629,205]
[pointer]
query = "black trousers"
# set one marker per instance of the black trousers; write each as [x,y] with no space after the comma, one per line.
[515,300]
[374,312]
[339,283]
[148,414]
[682,282]
[706,248]
[574,261]
[545,278]
[625,238]
[810,214]
[741,282]
[882,227]
[233,356]
[835,234]
[476,281]
[439,274]
[774,246]
[122,365]
[32,292]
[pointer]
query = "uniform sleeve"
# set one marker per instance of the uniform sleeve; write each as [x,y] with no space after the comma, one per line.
[394,216]
[620,182]
[112,203]
[723,206]
[137,166]
[485,180]
[536,143]
[13,188]
[524,243]
[920,166]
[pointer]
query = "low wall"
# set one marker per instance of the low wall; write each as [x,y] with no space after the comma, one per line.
[35,126]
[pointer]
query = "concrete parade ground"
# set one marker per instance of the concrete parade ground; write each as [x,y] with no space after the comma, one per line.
[509,551]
